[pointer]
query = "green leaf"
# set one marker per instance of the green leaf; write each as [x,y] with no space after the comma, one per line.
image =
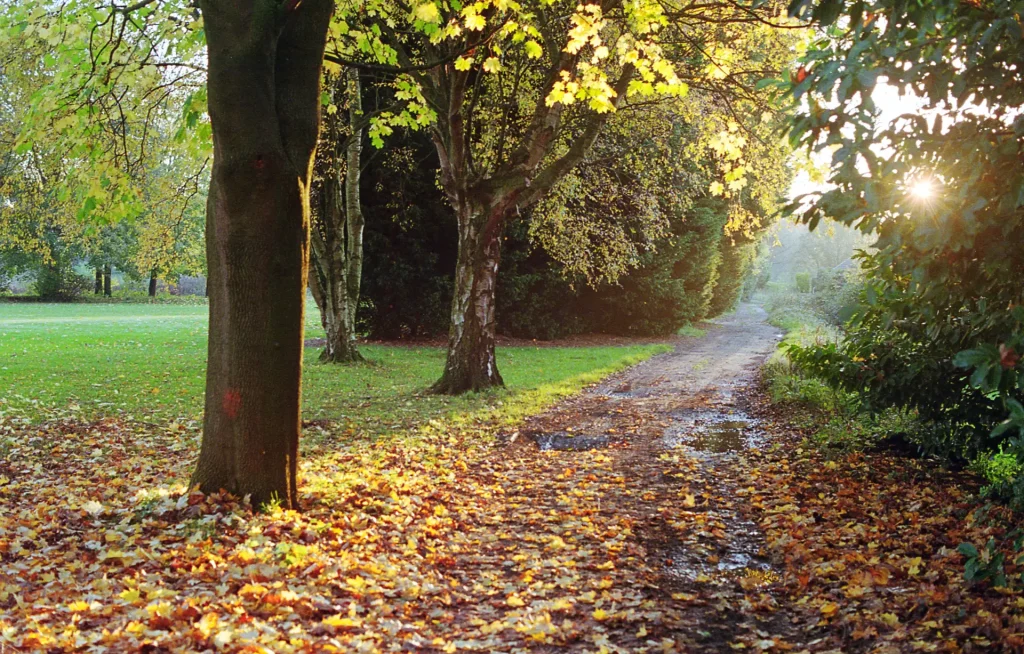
[968,550]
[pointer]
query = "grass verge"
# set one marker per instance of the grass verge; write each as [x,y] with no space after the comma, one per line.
[147,362]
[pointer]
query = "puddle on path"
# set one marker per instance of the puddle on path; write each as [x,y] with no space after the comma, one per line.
[736,554]
[742,559]
[750,571]
[626,393]
[564,441]
[716,432]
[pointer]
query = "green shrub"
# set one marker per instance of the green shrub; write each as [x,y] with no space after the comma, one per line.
[1003,469]
[737,260]
[59,282]
[675,284]
[803,282]
[998,467]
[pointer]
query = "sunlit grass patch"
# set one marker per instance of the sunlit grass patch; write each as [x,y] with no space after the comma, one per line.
[147,362]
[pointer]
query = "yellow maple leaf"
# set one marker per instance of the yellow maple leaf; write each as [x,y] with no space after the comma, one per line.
[890,619]
[428,12]
[131,595]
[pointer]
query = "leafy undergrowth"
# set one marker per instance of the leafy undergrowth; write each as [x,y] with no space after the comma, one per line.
[869,542]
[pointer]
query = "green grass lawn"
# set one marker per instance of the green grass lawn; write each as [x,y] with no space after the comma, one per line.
[148,362]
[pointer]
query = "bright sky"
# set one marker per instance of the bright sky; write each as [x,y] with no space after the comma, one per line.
[892,106]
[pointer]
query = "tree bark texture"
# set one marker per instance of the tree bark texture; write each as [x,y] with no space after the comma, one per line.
[106,280]
[264,67]
[336,260]
[152,284]
[471,364]
[98,286]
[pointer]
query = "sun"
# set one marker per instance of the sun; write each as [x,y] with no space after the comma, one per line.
[923,189]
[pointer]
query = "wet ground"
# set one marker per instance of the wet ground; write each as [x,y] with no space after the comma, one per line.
[674,428]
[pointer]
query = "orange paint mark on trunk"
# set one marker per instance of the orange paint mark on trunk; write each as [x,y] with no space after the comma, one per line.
[231,403]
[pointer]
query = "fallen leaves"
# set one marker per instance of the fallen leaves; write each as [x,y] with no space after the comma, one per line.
[442,544]
[869,541]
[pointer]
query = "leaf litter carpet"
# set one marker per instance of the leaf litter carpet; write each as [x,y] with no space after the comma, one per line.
[667,510]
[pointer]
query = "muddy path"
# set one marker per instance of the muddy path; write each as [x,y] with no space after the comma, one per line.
[664,440]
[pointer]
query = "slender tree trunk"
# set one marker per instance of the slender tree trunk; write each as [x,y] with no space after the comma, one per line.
[152,283]
[337,234]
[98,287]
[264,98]
[354,219]
[106,280]
[471,364]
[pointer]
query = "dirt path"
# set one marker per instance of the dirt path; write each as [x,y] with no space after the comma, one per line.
[670,509]
[682,568]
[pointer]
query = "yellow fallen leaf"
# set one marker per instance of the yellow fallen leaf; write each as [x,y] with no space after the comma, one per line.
[339,622]
[206,626]
[600,614]
[245,555]
[162,609]
[514,600]
[356,583]
[131,595]
[561,604]
[914,566]
[829,609]
[252,590]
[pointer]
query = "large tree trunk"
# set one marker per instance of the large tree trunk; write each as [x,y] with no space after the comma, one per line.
[106,280]
[337,233]
[98,286]
[152,284]
[264,83]
[471,363]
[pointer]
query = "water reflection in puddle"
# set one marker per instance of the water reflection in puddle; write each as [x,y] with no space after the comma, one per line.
[750,570]
[563,441]
[712,431]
